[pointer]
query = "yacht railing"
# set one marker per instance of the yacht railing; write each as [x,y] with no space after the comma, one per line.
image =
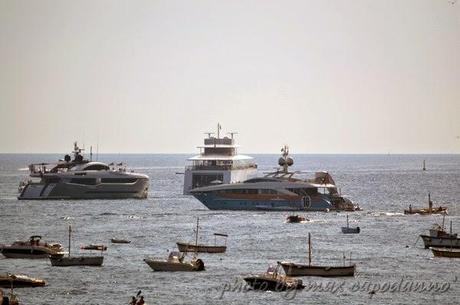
[220,167]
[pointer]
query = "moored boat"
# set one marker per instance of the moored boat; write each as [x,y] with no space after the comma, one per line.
[426,211]
[295,219]
[271,280]
[175,262]
[33,248]
[439,238]
[19,281]
[81,260]
[119,241]
[94,247]
[196,247]
[350,230]
[293,269]
[277,191]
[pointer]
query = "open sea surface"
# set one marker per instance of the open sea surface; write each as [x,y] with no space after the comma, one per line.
[390,258]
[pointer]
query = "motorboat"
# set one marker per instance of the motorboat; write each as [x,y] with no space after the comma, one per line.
[277,191]
[119,241]
[33,248]
[81,260]
[350,230]
[8,280]
[218,163]
[80,178]
[294,269]
[426,211]
[175,262]
[94,247]
[295,219]
[196,247]
[272,280]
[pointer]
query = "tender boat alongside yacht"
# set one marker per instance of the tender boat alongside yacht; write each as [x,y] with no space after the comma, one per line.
[218,163]
[276,191]
[79,178]
[33,248]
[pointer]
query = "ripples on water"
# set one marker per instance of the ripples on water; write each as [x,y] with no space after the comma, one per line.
[385,252]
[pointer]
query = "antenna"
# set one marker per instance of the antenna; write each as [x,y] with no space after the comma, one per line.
[218,130]
[209,134]
[232,134]
[90,153]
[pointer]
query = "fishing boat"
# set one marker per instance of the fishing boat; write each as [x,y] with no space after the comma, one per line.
[280,190]
[445,252]
[295,219]
[426,211]
[195,247]
[119,241]
[293,269]
[33,248]
[19,280]
[350,230]
[176,260]
[439,238]
[65,261]
[271,280]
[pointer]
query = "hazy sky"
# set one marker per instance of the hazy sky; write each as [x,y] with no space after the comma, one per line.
[337,76]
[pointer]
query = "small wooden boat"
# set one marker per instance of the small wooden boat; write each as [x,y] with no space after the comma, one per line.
[273,281]
[190,247]
[445,252]
[67,261]
[175,262]
[94,247]
[350,230]
[119,241]
[295,219]
[293,269]
[18,280]
[33,248]
[426,211]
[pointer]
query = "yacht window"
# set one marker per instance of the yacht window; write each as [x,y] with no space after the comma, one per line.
[118,180]
[85,181]
[96,167]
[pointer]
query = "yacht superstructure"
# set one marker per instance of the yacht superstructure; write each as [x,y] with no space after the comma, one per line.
[218,163]
[79,178]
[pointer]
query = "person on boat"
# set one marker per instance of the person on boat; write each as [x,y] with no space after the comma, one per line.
[133,301]
[141,301]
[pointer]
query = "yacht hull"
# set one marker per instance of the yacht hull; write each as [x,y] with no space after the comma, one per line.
[77,261]
[292,269]
[213,202]
[63,190]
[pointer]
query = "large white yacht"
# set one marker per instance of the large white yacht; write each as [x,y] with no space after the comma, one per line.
[218,163]
[79,178]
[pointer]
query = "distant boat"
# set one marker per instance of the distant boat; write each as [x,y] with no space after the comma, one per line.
[119,241]
[293,269]
[348,230]
[273,281]
[176,260]
[190,247]
[65,261]
[295,219]
[94,247]
[427,211]
[33,248]
[18,280]
[440,238]
[444,252]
